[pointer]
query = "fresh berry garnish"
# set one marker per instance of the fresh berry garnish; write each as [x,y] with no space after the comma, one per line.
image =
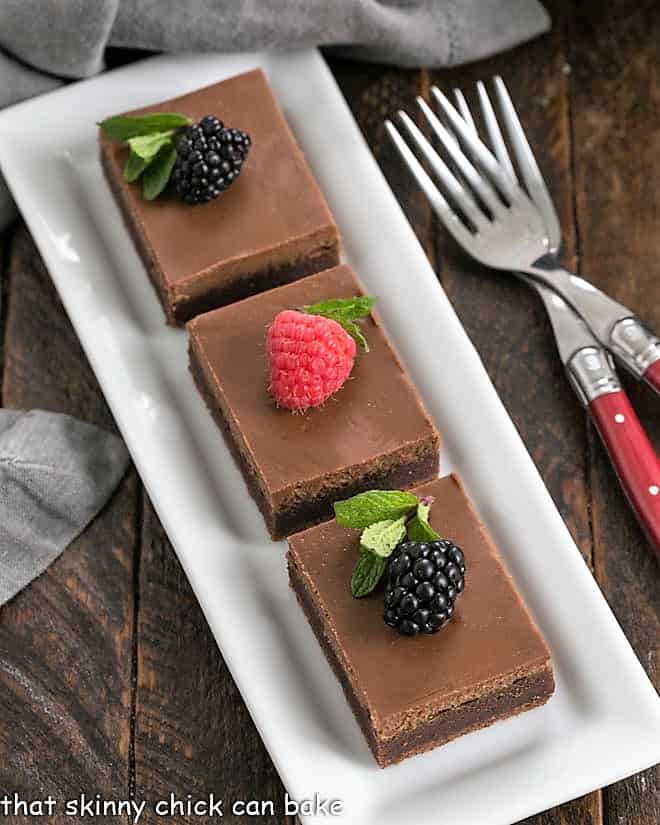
[200,159]
[424,580]
[310,358]
[311,351]
[424,573]
[209,159]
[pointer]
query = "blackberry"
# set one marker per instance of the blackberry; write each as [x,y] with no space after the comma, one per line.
[209,159]
[423,582]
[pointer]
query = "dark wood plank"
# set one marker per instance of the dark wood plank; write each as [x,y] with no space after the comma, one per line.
[374,93]
[616,125]
[587,810]
[193,734]
[66,640]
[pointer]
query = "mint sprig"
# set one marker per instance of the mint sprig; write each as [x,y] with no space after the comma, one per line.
[125,127]
[367,573]
[375,505]
[385,517]
[148,146]
[135,166]
[345,311]
[151,143]
[419,528]
[382,537]
[158,172]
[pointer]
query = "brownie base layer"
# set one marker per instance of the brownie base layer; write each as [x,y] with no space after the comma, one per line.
[254,282]
[396,474]
[180,310]
[524,693]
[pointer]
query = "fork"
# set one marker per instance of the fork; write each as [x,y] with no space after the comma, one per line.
[507,227]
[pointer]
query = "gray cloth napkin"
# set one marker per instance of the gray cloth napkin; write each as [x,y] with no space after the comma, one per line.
[56,473]
[44,42]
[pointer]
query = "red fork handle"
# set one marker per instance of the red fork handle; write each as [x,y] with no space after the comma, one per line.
[633,457]
[652,376]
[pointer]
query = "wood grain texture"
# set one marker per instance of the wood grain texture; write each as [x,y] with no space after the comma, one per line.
[587,810]
[616,126]
[193,734]
[374,93]
[65,641]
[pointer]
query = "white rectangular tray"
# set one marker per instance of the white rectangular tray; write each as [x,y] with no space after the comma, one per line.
[603,722]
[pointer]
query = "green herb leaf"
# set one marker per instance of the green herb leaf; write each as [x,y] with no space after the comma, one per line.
[375,505]
[148,146]
[356,333]
[383,536]
[419,528]
[367,573]
[135,166]
[345,311]
[358,307]
[158,172]
[125,127]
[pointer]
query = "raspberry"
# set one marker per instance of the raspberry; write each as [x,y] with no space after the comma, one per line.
[310,358]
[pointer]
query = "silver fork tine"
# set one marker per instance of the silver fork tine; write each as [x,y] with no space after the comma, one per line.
[479,185]
[464,109]
[531,174]
[494,132]
[439,205]
[479,151]
[458,193]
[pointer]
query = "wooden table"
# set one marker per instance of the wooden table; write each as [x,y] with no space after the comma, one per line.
[110,681]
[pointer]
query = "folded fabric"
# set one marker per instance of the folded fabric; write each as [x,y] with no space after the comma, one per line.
[56,473]
[43,42]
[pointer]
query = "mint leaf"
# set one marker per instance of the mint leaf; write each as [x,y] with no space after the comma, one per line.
[367,573]
[125,127]
[356,333]
[135,166]
[345,311]
[383,536]
[349,308]
[148,146]
[375,505]
[158,172]
[419,528]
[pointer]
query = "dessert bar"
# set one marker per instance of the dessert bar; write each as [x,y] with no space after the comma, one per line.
[413,694]
[373,432]
[271,227]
